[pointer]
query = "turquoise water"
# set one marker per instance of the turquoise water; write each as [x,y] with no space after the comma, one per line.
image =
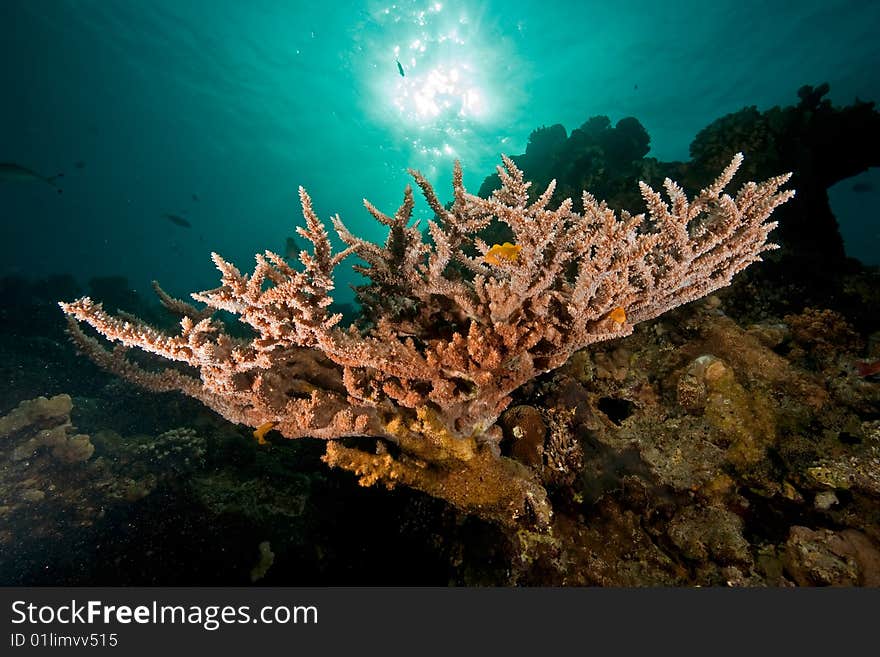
[216,111]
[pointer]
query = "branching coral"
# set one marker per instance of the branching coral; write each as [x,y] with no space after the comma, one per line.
[459,324]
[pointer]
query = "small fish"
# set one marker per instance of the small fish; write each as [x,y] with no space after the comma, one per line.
[16,173]
[261,431]
[618,315]
[175,219]
[499,252]
[195,197]
[291,248]
[862,187]
[400,69]
[80,164]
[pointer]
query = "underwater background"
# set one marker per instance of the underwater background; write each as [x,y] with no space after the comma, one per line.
[183,128]
[237,103]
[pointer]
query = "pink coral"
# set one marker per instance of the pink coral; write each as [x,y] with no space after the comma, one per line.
[455,333]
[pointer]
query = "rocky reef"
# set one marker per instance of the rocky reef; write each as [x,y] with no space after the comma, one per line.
[711,454]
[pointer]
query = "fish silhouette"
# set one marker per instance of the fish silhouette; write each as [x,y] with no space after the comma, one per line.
[178,220]
[291,248]
[12,172]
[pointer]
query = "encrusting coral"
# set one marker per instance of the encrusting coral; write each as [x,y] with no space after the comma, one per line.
[458,325]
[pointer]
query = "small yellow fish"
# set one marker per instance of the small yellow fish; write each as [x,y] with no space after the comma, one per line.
[261,431]
[499,252]
[618,315]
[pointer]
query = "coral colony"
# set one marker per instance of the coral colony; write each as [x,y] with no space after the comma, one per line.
[452,325]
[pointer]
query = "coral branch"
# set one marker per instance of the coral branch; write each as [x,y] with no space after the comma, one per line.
[456,325]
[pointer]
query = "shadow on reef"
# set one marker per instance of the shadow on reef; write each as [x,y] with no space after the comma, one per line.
[733,441]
